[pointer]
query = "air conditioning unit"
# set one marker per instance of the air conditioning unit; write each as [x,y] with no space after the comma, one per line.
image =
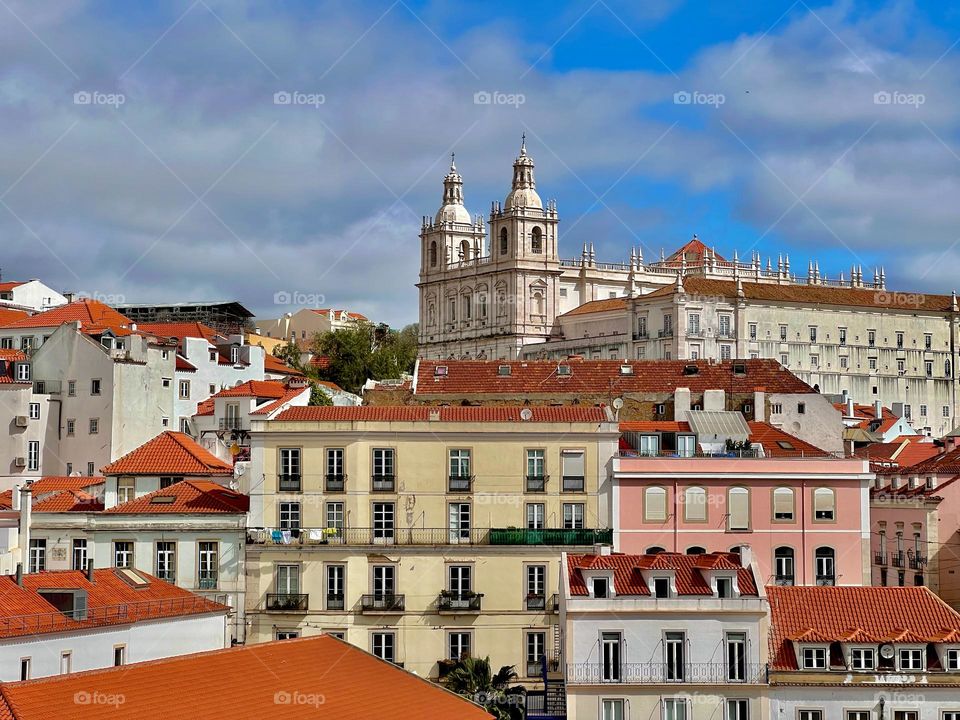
[20,462]
[22,421]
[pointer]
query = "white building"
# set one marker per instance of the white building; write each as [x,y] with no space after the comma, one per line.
[678,637]
[31,419]
[53,623]
[850,653]
[29,295]
[302,325]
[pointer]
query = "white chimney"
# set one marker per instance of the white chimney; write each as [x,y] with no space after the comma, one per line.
[849,406]
[746,556]
[759,404]
[26,509]
[878,409]
[681,404]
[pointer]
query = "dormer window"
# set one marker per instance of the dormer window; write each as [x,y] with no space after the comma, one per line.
[661,587]
[724,587]
[601,587]
[234,354]
[951,660]
[910,659]
[213,356]
[813,658]
[863,659]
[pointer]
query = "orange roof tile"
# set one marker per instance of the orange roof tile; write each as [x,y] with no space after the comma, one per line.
[8,358]
[169,453]
[318,676]
[598,306]
[272,389]
[878,614]
[187,496]
[69,501]
[111,600]
[205,407]
[275,365]
[10,315]
[92,314]
[422,413]
[11,285]
[179,330]
[693,251]
[540,377]
[628,580]
[290,395]
[46,486]
[776,442]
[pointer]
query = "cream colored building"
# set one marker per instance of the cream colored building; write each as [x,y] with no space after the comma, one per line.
[302,325]
[420,533]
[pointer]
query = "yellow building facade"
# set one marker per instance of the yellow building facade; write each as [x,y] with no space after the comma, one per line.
[423,534]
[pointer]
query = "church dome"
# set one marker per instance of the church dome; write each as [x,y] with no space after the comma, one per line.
[523,194]
[453,209]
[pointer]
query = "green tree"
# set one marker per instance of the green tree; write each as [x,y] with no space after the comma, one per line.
[472,678]
[366,351]
[290,353]
[318,396]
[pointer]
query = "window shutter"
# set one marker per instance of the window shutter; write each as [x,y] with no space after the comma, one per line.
[739,509]
[696,504]
[572,463]
[823,503]
[655,503]
[782,502]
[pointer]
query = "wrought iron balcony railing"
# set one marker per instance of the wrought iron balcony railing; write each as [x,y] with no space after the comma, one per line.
[536,483]
[429,536]
[916,562]
[896,559]
[382,603]
[335,483]
[207,582]
[536,601]
[459,483]
[880,558]
[287,602]
[383,483]
[455,602]
[573,483]
[288,483]
[334,601]
[666,673]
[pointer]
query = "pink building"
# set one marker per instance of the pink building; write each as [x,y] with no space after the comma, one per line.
[915,524]
[803,512]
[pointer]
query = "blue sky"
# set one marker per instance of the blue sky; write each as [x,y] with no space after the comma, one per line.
[824,130]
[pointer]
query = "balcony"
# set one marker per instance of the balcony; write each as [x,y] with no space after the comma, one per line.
[536,601]
[383,483]
[427,536]
[662,673]
[287,602]
[553,606]
[665,333]
[454,602]
[641,335]
[459,483]
[335,601]
[573,483]
[382,603]
[783,580]
[207,582]
[288,483]
[916,562]
[897,559]
[535,667]
[880,558]
[536,483]
[335,483]
[826,580]
[230,423]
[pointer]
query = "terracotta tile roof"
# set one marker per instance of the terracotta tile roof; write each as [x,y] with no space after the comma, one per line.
[265,389]
[205,407]
[169,453]
[200,497]
[8,358]
[317,676]
[598,306]
[540,377]
[868,416]
[9,315]
[319,362]
[776,442]
[111,600]
[694,250]
[69,501]
[179,330]
[423,413]
[92,315]
[874,614]
[628,580]
[290,395]
[813,295]
[902,452]
[184,365]
[275,365]
[11,285]
[45,486]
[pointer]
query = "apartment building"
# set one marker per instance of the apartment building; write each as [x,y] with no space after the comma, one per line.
[302,325]
[761,390]
[718,483]
[424,534]
[862,653]
[31,295]
[69,621]
[32,418]
[680,637]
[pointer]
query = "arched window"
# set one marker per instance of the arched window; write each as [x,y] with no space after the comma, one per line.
[738,509]
[696,550]
[433,254]
[538,306]
[467,302]
[482,305]
[824,504]
[783,566]
[655,504]
[783,504]
[503,241]
[825,564]
[695,504]
[536,241]
[655,550]
[464,250]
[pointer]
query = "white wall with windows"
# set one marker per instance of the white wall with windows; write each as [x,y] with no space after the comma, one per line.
[907,702]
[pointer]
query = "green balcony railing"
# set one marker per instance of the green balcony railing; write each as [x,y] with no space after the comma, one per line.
[550,536]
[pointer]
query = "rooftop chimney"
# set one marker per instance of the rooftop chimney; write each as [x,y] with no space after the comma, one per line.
[90,570]
[20,574]
[878,409]
[849,406]
[599,549]
[746,556]
[26,508]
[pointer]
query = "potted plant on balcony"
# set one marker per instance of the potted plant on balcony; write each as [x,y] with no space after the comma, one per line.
[472,678]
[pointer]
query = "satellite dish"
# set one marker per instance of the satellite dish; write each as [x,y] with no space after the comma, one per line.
[526,414]
[886,651]
[617,403]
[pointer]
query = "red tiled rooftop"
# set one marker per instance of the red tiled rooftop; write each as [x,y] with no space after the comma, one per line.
[9,285]
[92,314]
[317,676]
[776,442]
[184,365]
[110,600]
[877,614]
[187,496]
[169,453]
[598,306]
[628,580]
[948,462]
[179,330]
[8,358]
[275,365]
[903,452]
[290,395]
[255,388]
[540,377]
[69,501]
[10,315]
[420,413]
[50,484]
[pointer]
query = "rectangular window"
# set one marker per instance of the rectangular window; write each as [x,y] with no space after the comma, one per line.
[288,580]
[813,334]
[736,657]
[814,658]
[336,577]
[166,561]
[71,427]
[184,389]
[459,579]
[738,710]
[843,336]
[953,660]
[289,515]
[66,662]
[123,554]
[863,659]
[814,361]
[725,352]
[536,514]
[753,331]
[383,469]
[94,426]
[572,516]
[872,363]
[674,709]
[33,455]
[693,323]
[23,372]
[459,467]
[858,715]
[383,645]
[384,584]
[125,489]
[612,709]
[536,587]
[649,445]
[335,475]
[738,507]
[458,645]
[24,668]
[945,410]
[610,653]
[79,559]
[209,570]
[290,470]
[34,411]
[334,513]
[38,555]
[899,339]
[927,341]
[674,646]
[911,659]
[871,338]
[654,504]
[383,522]
[95,386]
[843,362]
[536,471]
[906,715]
[928,368]
[90,469]
[459,522]
[119,655]
[809,714]
[572,464]
[535,649]
[783,333]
